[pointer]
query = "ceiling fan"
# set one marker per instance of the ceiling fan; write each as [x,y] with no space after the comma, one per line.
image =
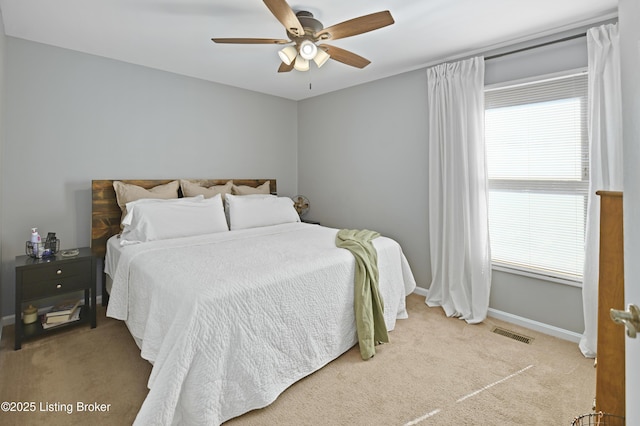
[307,34]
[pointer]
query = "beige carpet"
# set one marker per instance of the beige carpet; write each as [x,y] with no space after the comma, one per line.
[435,371]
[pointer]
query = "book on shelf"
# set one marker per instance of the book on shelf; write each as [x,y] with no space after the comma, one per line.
[57,319]
[47,323]
[64,309]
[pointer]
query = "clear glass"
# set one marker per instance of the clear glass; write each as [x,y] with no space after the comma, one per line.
[539,141]
[538,230]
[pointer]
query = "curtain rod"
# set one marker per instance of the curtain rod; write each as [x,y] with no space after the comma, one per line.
[560,40]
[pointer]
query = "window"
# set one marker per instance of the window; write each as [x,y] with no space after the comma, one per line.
[538,168]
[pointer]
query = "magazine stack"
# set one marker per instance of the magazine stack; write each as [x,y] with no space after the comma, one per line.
[62,313]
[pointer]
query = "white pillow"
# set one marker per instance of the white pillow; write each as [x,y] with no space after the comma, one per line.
[165,219]
[126,192]
[131,205]
[226,200]
[251,211]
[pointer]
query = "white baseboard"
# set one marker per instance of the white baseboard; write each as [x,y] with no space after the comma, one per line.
[536,325]
[7,320]
[524,322]
[421,291]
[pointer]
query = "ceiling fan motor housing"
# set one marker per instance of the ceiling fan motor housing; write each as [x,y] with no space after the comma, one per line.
[306,43]
[310,24]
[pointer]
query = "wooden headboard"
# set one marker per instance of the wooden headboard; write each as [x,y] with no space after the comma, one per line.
[106,215]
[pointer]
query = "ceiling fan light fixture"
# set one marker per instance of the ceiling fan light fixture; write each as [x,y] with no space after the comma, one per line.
[308,50]
[321,57]
[301,64]
[288,54]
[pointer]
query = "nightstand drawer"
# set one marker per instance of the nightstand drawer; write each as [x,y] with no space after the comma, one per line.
[49,288]
[55,271]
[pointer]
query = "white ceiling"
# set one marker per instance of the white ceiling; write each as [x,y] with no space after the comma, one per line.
[176,35]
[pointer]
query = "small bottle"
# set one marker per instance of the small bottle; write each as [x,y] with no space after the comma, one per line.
[35,242]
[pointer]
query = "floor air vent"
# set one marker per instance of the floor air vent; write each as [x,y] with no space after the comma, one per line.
[512,335]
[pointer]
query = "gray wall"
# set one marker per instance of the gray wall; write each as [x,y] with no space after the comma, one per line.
[362,162]
[72,117]
[2,133]
[362,159]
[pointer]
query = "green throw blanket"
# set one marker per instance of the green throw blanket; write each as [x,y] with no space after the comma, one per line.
[368,305]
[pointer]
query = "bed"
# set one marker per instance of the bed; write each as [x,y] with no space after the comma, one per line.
[230,319]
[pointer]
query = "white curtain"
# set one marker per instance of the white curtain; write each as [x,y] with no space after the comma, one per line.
[605,160]
[458,216]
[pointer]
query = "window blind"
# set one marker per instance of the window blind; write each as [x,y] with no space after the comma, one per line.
[538,169]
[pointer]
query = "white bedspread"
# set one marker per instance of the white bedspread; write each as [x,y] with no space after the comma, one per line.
[230,320]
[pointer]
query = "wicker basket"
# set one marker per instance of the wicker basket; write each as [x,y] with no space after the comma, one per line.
[43,249]
[598,419]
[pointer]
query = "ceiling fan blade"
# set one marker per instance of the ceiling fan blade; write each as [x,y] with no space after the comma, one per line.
[345,56]
[286,68]
[250,40]
[287,17]
[356,26]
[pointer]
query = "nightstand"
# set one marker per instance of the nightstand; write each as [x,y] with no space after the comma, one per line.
[54,277]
